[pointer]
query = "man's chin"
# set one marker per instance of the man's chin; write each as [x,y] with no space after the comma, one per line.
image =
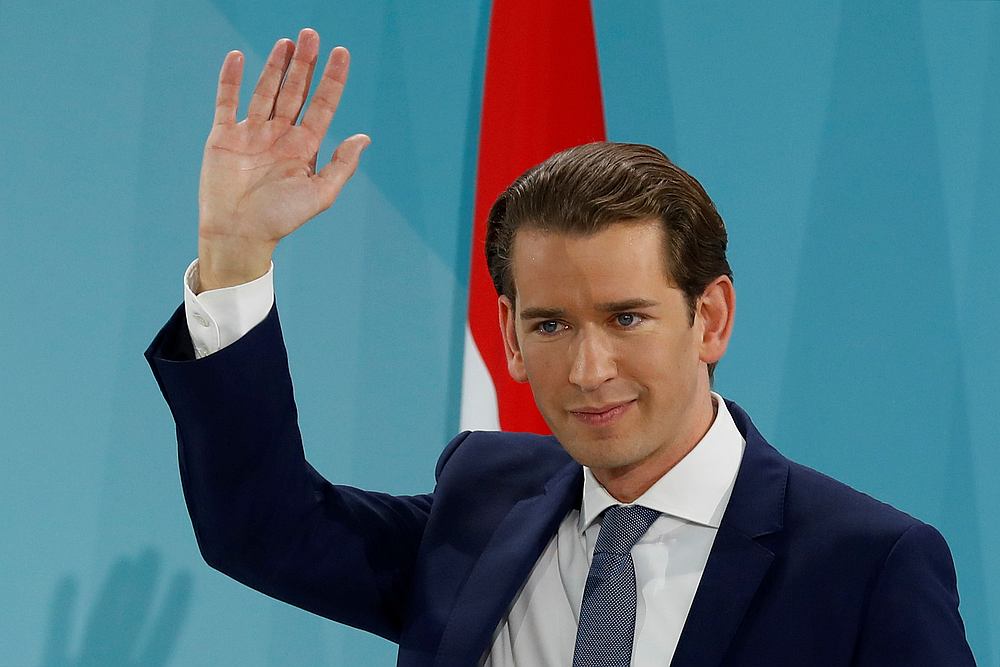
[599,453]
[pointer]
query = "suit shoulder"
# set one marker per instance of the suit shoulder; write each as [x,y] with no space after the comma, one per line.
[818,502]
[812,505]
[501,455]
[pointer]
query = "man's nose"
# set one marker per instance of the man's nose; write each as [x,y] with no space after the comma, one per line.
[594,362]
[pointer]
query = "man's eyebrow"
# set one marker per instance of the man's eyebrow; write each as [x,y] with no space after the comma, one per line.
[627,304]
[542,313]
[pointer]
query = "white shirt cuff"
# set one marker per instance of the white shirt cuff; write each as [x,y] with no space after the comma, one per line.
[220,317]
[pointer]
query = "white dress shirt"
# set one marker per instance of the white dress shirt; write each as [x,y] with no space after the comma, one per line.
[540,627]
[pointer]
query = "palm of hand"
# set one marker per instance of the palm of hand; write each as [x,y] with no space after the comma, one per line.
[258,180]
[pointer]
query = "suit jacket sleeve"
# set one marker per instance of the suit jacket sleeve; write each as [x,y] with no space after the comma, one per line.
[261,514]
[913,616]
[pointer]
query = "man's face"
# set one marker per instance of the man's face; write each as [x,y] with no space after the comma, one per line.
[616,367]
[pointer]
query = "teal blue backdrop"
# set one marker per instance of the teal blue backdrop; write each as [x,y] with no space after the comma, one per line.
[852,147]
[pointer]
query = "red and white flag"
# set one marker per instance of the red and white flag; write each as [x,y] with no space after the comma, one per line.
[542,94]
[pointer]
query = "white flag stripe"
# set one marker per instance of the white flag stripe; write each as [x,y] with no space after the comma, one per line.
[479,396]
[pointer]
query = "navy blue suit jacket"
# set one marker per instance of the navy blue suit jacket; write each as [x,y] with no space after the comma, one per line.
[803,571]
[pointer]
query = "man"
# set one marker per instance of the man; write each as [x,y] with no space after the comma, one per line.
[656,527]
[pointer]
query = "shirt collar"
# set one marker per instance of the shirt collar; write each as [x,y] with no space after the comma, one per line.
[697,489]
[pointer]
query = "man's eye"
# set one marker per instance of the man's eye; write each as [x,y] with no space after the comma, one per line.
[627,320]
[548,327]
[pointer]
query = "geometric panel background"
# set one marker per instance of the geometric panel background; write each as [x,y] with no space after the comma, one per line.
[853,149]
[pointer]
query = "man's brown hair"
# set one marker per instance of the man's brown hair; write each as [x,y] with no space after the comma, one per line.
[584,189]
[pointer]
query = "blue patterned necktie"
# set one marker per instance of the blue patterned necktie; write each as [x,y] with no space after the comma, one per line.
[607,615]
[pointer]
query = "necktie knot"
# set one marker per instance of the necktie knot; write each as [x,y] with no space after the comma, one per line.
[622,526]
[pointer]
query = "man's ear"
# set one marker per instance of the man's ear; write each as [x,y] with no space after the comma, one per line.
[715,311]
[508,331]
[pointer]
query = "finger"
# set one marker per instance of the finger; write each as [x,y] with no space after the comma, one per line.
[227,97]
[340,168]
[327,96]
[296,85]
[309,78]
[262,101]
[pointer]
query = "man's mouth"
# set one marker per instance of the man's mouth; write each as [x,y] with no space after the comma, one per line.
[602,415]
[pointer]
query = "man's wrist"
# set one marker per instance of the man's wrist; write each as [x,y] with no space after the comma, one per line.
[230,264]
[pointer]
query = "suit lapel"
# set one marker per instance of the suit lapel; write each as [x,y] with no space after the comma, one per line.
[738,563]
[504,565]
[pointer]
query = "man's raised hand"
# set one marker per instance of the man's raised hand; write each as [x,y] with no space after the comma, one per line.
[259,181]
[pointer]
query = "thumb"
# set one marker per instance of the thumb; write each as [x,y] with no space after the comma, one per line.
[341,167]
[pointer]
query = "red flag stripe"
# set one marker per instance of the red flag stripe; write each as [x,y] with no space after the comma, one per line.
[542,94]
